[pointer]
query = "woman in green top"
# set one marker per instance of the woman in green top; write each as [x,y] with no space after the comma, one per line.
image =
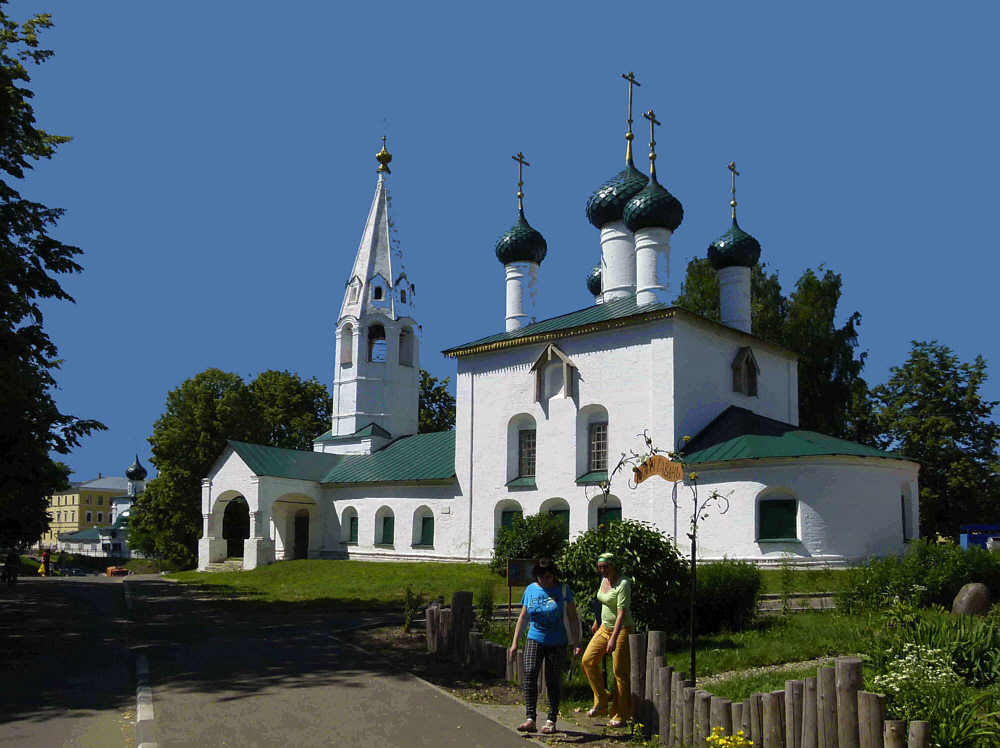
[611,637]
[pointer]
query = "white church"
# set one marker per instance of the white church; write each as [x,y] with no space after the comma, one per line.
[544,409]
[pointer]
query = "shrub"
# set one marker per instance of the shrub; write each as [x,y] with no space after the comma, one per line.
[927,574]
[411,606]
[535,536]
[728,595]
[643,554]
[486,606]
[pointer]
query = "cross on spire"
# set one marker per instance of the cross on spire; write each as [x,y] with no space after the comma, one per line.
[652,142]
[628,136]
[732,168]
[521,163]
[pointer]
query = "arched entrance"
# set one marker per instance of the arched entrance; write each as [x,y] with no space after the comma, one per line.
[236,526]
[301,547]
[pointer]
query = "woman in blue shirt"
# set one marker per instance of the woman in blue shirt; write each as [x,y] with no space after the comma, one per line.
[542,609]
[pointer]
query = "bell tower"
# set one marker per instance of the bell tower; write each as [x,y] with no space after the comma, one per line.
[376,383]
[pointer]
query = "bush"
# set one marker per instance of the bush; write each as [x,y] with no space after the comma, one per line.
[411,607]
[486,605]
[728,595]
[643,554]
[539,535]
[927,574]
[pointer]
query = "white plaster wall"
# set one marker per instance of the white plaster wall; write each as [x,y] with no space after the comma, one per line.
[849,508]
[704,377]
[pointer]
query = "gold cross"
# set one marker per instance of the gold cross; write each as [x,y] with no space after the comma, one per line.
[652,142]
[732,168]
[628,136]
[521,163]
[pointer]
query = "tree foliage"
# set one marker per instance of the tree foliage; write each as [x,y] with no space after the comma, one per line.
[276,408]
[932,411]
[541,535]
[833,397]
[31,426]
[437,405]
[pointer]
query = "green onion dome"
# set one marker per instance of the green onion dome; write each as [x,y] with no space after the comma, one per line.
[521,243]
[594,281]
[653,208]
[608,202]
[735,248]
[136,471]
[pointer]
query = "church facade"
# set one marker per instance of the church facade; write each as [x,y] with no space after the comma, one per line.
[545,409]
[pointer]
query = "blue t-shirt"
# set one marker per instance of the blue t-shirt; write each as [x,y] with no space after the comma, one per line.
[545,613]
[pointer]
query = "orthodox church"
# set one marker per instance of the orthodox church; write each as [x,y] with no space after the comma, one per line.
[544,408]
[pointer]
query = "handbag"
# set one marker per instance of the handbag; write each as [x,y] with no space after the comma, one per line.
[570,621]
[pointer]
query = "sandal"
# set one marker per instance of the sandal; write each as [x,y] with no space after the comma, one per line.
[527,726]
[616,723]
[549,727]
[598,710]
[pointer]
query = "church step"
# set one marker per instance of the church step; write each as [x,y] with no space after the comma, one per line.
[230,564]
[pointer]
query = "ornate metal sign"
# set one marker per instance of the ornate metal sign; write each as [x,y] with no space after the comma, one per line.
[661,466]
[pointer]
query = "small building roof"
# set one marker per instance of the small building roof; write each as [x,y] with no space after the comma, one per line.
[105,483]
[741,434]
[89,535]
[372,429]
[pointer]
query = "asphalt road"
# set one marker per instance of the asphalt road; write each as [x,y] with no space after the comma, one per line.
[66,675]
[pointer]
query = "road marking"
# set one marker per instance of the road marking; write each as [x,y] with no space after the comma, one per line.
[144,704]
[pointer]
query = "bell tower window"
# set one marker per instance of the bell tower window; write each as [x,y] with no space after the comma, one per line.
[377,350]
[377,293]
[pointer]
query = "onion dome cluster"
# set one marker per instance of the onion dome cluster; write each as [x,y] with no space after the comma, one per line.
[735,248]
[521,243]
[653,208]
[594,281]
[608,202]
[136,471]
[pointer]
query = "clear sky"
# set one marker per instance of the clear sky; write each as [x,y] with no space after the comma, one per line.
[223,165]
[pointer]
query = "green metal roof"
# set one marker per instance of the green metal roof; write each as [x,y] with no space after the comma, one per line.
[372,429]
[90,535]
[740,434]
[285,463]
[593,477]
[527,481]
[611,310]
[421,457]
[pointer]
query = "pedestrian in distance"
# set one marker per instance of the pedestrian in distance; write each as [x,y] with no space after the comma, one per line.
[45,563]
[549,614]
[11,567]
[611,632]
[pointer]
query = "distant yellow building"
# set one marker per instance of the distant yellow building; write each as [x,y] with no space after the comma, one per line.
[84,505]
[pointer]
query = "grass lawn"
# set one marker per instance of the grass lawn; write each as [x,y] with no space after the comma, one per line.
[803,580]
[362,584]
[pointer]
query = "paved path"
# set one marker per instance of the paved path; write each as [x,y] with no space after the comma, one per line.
[66,677]
[231,675]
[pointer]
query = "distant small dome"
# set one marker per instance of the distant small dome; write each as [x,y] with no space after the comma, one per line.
[735,248]
[521,243]
[653,208]
[594,281]
[136,471]
[608,202]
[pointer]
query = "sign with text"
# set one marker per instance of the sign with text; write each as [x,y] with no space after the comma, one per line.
[661,466]
[519,571]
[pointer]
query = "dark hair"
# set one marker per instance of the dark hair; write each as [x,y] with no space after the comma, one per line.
[543,565]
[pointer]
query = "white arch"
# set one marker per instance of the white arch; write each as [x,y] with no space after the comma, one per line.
[517,424]
[419,537]
[597,504]
[504,505]
[347,515]
[385,526]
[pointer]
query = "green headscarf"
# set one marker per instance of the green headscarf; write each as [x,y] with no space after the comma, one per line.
[608,558]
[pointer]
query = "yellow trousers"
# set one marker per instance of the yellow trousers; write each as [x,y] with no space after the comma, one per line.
[621,704]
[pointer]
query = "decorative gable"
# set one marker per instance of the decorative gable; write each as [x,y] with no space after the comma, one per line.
[553,372]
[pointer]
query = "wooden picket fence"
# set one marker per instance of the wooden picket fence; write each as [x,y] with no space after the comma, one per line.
[830,710]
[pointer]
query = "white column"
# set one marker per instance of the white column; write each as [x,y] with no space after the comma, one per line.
[522,280]
[734,297]
[649,243]
[618,253]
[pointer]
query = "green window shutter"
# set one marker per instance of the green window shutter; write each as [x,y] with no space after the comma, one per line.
[778,519]
[354,530]
[507,517]
[563,516]
[611,514]
[427,531]
[387,530]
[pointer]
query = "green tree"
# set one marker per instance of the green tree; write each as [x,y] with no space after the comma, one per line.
[276,408]
[32,426]
[541,535]
[437,405]
[833,397]
[932,411]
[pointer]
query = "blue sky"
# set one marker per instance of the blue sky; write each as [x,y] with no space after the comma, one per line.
[223,165]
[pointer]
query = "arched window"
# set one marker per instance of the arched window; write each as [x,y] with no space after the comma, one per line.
[778,519]
[423,528]
[592,444]
[377,350]
[522,442]
[504,514]
[377,293]
[745,371]
[347,344]
[559,509]
[349,526]
[385,527]
[406,347]
[402,296]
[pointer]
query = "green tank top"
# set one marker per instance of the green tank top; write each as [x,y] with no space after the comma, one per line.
[618,598]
